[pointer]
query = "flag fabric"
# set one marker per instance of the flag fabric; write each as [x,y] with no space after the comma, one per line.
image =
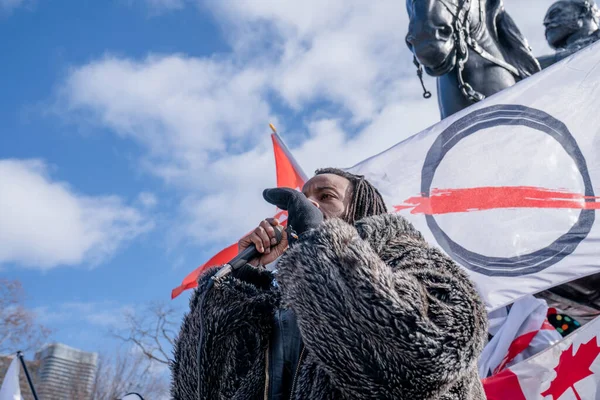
[191,280]
[289,174]
[568,370]
[507,187]
[519,332]
[10,389]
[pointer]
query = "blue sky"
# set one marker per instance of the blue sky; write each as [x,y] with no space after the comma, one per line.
[45,42]
[134,139]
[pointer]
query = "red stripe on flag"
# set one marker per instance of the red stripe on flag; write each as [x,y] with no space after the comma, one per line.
[445,201]
[503,386]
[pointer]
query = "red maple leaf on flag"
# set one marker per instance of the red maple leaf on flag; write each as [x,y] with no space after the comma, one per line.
[572,368]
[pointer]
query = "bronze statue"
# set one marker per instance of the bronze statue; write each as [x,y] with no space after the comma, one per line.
[472,46]
[570,26]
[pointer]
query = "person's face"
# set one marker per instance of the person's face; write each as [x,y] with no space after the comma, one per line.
[331,193]
[561,22]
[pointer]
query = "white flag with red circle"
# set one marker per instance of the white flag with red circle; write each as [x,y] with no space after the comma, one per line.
[508,187]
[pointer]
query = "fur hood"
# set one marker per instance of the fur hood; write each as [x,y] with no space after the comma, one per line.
[382,315]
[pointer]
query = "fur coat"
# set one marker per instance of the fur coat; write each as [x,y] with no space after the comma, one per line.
[382,314]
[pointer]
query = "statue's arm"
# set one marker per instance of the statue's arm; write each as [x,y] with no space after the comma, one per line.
[550,59]
[547,60]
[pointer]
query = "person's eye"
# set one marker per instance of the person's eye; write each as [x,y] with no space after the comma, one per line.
[326,196]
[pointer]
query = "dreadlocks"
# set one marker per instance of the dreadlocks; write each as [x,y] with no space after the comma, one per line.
[366,199]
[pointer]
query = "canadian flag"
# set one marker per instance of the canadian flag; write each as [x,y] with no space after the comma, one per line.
[519,332]
[289,174]
[10,389]
[568,370]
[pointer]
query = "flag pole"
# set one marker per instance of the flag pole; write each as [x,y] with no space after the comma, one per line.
[20,355]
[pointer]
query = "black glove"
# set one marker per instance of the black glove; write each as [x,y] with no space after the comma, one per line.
[302,214]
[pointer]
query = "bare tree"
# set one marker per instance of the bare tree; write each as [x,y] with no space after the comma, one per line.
[129,371]
[18,327]
[152,331]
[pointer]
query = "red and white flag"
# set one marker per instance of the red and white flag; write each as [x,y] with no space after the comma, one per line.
[289,174]
[518,333]
[568,370]
[508,187]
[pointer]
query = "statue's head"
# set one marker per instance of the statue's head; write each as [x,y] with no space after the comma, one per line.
[566,18]
[431,32]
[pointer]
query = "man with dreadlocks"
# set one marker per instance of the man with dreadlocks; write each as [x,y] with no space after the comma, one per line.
[359,307]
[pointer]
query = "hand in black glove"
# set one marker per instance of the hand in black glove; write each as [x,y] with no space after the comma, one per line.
[303,215]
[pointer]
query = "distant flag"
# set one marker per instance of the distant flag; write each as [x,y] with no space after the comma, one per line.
[289,174]
[568,370]
[10,389]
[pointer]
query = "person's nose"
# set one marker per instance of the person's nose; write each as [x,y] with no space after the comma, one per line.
[314,202]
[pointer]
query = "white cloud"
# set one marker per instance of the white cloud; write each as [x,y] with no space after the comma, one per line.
[175,105]
[44,223]
[148,200]
[341,66]
[347,52]
[192,116]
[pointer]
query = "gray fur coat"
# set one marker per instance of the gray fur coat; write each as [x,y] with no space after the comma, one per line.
[382,315]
